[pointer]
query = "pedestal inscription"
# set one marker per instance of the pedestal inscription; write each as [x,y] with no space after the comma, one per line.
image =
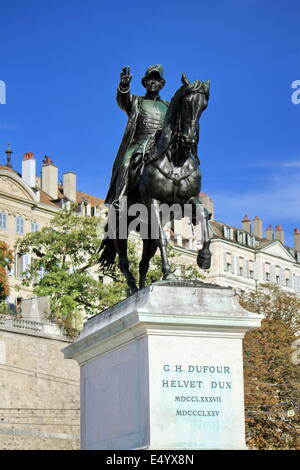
[197,394]
[196,398]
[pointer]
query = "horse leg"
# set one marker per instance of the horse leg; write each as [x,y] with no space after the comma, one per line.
[121,248]
[202,216]
[162,243]
[149,249]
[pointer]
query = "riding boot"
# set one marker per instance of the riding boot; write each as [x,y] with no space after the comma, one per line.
[121,188]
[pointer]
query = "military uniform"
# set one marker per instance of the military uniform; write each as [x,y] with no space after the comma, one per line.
[145,120]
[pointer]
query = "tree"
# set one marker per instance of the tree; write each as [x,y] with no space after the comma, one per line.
[272,381]
[6,259]
[64,266]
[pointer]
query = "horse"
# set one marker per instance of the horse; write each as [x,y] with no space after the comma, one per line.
[169,176]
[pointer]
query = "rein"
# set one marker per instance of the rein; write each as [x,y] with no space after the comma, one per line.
[175,175]
[198,87]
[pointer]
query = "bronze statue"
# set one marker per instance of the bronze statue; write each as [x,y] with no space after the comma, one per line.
[146,117]
[156,166]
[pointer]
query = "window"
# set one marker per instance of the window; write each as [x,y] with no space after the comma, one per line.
[241,237]
[251,268]
[41,273]
[19,225]
[267,272]
[250,240]
[277,279]
[34,226]
[228,262]
[288,278]
[18,265]
[22,262]
[2,220]
[186,243]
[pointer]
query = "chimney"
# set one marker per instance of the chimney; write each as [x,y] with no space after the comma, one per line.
[69,185]
[279,234]
[269,232]
[296,239]
[29,169]
[257,227]
[50,178]
[8,152]
[246,224]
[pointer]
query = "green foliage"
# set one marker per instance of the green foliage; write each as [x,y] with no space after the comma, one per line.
[4,308]
[62,256]
[6,259]
[66,253]
[271,379]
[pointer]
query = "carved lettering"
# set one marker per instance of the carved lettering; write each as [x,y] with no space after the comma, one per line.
[197,412]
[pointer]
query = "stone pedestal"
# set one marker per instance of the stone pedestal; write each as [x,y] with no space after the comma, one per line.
[164,370]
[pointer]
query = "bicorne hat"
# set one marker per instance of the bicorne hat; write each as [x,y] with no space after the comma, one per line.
[154,68]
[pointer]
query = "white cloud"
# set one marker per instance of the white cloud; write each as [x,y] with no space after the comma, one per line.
[271,164]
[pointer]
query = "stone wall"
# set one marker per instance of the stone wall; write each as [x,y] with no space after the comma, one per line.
[39,391]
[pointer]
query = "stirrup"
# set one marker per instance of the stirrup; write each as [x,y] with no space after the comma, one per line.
[118,205]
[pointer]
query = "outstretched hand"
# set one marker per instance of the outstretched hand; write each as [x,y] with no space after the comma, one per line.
[125,77]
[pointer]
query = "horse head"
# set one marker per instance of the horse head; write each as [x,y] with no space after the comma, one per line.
[183,115]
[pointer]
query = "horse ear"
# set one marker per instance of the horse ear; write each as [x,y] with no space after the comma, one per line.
[184,80]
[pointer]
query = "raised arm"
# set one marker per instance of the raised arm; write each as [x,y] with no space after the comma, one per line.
[124,98]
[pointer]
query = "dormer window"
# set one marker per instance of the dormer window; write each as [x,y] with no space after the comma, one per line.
[19,225]
[250,240]
[65,204]
[241,237]
[228,232]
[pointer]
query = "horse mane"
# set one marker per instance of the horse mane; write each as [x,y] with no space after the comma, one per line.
[171,116]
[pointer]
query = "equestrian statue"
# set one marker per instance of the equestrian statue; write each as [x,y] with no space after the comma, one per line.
[156,167]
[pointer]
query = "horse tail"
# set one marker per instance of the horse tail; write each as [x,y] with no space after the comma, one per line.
[108,253]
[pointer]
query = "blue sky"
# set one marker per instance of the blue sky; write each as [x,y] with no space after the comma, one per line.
[61,62]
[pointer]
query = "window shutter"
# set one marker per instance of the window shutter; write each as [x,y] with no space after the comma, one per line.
[272,273]
[233,264]
[26,261]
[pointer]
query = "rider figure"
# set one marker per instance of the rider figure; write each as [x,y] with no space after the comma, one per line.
[146,117]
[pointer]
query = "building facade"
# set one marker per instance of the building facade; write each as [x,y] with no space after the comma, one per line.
[242,257]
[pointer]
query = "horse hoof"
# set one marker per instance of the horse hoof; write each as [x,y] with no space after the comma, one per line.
[204,262]
[132,290]
[169,277]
